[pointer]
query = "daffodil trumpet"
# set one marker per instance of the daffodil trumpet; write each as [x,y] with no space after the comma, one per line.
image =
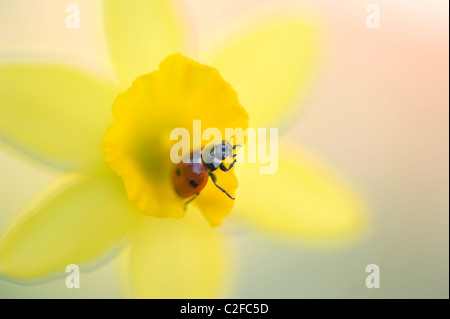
[167,103]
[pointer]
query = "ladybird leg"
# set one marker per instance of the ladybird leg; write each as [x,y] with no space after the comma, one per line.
[195,196]
[224,168]
[214,179]
[234,147]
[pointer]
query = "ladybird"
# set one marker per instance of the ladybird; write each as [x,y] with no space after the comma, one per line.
[190,177]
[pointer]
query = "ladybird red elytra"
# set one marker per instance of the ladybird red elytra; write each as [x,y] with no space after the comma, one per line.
[188,179]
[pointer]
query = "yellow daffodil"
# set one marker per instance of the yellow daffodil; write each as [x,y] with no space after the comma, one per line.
[137,144]
[59,115]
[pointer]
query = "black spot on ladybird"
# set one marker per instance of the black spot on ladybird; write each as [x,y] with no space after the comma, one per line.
[193,183]
[178,172]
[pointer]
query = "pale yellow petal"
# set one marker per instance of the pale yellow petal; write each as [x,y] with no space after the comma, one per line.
[302,200]
[271,67]
[75,224]
[177,258]
[141,34]
[54,113]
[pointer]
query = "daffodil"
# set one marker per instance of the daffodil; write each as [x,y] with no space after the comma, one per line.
[118,197]
[137,145]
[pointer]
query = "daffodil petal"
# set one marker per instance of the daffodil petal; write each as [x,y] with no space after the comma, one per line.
[182,258]
[213,203]
[141,34]
[271,67]
[54,113]
[75,226]
[302,200]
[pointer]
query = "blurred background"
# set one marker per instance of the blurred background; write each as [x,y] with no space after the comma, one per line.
[378,114]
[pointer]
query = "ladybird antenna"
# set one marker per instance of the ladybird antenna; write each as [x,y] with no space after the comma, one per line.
[234,146]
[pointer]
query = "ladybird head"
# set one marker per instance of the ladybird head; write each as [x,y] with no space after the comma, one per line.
[224,150]
[221,150]
[218,151]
